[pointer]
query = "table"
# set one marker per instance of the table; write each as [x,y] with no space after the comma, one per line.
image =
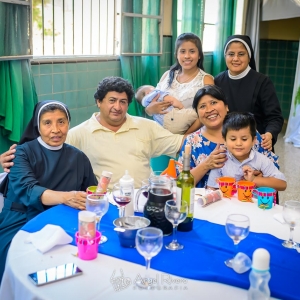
[96,282]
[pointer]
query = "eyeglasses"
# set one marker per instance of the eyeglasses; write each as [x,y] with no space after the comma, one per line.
[239,55]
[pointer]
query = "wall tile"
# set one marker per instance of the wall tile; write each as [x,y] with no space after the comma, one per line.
[71,99]
[46,69]
[58,83]
[45,84]
[59,68]
[35,69]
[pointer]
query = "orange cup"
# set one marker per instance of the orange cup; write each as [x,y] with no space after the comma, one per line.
[91,189]
[226,185]
[245,189]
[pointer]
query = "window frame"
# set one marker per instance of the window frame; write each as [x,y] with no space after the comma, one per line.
[28,56]
[134,15]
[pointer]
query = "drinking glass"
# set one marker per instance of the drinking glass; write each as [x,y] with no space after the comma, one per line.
[237,228]
[175,214]
[148,242]
[291,215]
[121,197]
[99,204]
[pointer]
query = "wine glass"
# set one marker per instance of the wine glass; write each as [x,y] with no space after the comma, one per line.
[98,203]
[148,242]
[237,228]
[291,215]
[175,214]
[122,197]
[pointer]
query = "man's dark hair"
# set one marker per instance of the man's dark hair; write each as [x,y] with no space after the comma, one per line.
[114,84]
[237,121]
[211,90]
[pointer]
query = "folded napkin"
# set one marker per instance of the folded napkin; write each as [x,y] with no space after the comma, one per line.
[279,218]
[48,237]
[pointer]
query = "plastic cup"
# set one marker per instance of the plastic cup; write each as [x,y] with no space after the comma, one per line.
[91,189]
[245,189]
[265,197]
[87,247]
[226,185]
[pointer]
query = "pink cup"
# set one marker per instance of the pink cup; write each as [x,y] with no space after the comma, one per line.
[87,247]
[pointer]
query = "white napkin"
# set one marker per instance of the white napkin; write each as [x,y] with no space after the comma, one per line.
[279,218]
[48,237]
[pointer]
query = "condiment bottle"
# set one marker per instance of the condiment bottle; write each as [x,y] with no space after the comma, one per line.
[127,185]
[260,275]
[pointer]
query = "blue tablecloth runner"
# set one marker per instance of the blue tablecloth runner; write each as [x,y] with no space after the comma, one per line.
[206,248]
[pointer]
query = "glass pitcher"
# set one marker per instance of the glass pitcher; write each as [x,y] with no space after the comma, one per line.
[159,190]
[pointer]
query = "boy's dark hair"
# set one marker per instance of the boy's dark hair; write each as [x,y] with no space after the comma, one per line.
[237,121]
[114,84]
[186,37]
[140,93]
[211,90]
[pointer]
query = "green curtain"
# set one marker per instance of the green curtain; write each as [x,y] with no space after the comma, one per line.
[192,17]
[140,35]
[17,91]
[226,27]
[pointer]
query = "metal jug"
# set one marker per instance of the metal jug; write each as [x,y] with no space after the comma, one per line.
[159,190]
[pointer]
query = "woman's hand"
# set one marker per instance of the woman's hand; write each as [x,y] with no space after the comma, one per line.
[7,157]
[76,199]
[216,159]
[267,141]
[156,107]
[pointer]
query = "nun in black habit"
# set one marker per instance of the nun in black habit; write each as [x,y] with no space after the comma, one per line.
[46,172]
[250,91]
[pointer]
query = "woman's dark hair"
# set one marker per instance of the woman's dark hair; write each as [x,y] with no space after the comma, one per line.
[53,107]
[211,90]
[114,84]
[237,121]
[186,37]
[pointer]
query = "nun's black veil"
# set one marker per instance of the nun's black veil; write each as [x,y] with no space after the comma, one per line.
[30,133]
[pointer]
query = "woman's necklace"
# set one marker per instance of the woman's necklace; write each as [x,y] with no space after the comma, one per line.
[192,76]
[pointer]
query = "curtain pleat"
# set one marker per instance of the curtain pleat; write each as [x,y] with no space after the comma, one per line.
[17,89]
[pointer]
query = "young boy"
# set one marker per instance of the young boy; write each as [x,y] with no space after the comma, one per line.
[178,119]
[239,133]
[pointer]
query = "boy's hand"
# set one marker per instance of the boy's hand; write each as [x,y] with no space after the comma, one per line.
[248,173]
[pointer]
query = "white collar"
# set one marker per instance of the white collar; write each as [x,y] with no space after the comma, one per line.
[39,139]
[241,75]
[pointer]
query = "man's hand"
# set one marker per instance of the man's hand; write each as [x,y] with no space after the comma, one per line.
[7,157]
[267,141]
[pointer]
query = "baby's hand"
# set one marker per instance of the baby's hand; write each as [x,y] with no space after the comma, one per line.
[248,173]
[176,103]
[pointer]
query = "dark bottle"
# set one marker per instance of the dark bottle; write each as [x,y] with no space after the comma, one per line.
[186,190]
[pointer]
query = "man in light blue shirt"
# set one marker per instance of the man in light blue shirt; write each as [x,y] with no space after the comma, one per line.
[239,133]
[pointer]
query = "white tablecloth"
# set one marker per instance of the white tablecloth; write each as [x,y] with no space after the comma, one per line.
[97,283]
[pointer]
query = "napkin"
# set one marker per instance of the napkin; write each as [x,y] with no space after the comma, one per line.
[279,218]
[48,237]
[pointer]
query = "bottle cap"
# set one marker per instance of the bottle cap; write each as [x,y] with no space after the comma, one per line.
[86,216]
[261,260]
[126,179]
[107,174]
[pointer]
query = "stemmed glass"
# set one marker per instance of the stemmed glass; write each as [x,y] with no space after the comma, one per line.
[175,214]
[121,197]
[148,242]
[237,228]
[98,203]
[291,215]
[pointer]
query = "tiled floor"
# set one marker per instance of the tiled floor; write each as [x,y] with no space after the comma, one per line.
[289,161]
